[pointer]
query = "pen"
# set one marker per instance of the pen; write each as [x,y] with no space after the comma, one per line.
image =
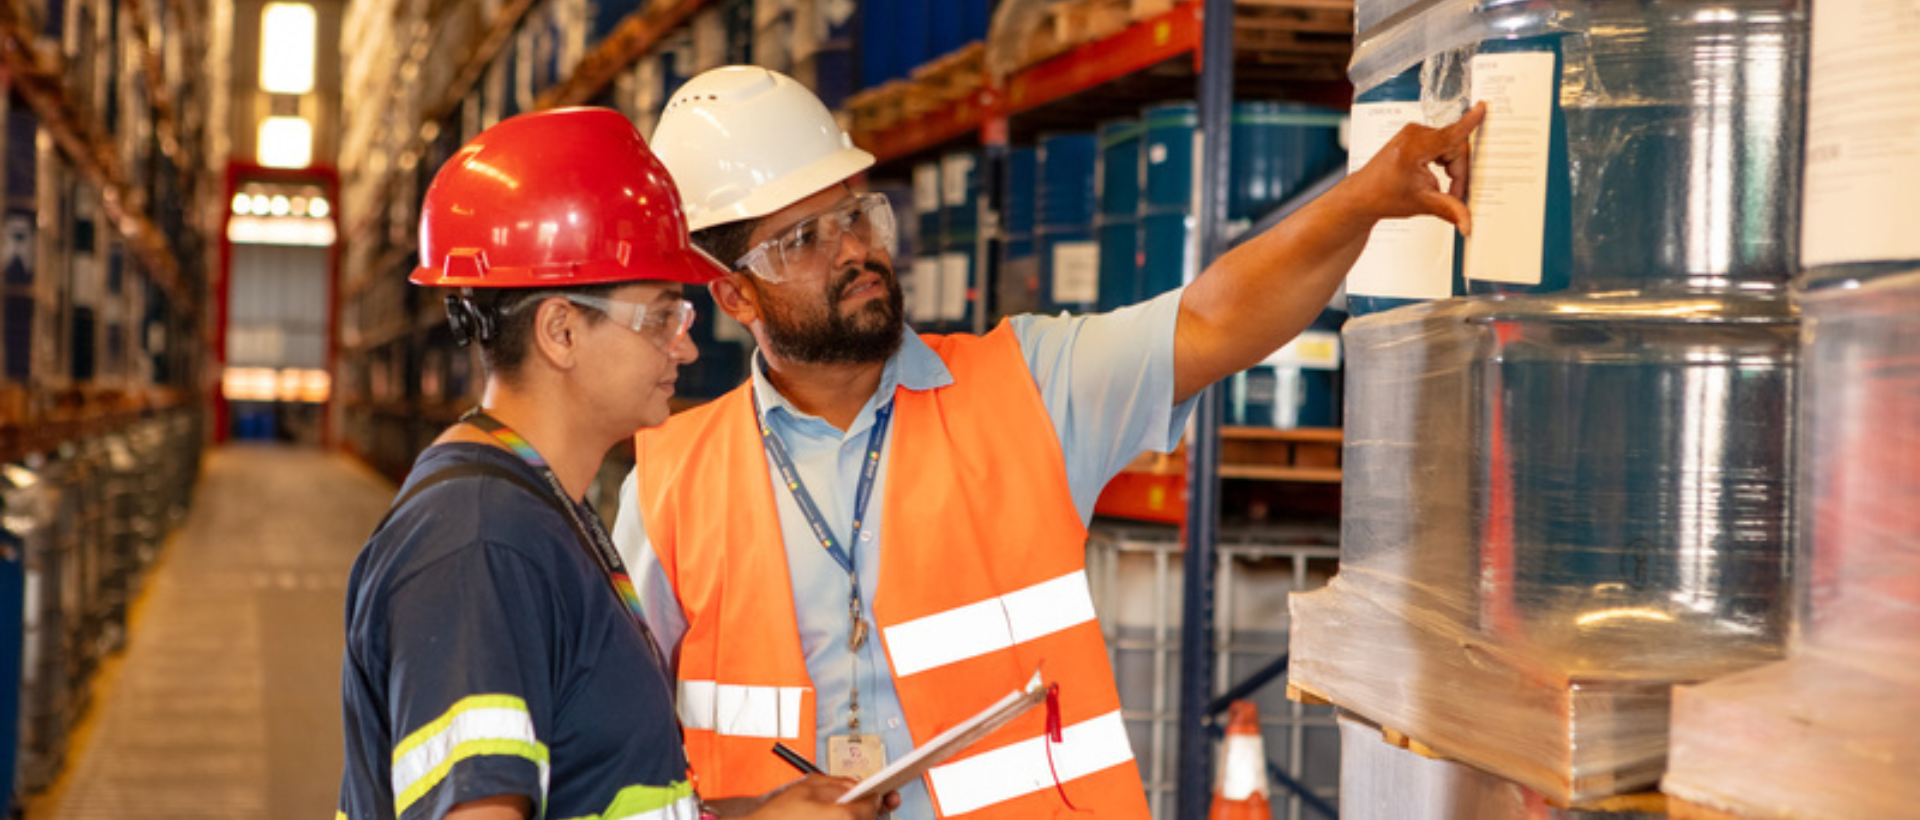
[794,759]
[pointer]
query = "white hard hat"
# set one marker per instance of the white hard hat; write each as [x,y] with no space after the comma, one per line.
[742,142]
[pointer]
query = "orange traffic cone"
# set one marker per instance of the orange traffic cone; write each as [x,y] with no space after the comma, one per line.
[1242,794]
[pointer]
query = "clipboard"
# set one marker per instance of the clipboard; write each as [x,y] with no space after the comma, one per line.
[951,742]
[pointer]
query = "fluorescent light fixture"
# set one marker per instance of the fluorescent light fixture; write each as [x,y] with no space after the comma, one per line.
[287,34]
[285,142]
[287,230]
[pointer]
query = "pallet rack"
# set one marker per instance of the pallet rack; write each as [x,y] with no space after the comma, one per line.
[104,270]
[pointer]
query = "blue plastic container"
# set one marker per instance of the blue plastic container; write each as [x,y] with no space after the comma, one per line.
[1069,269]
[1119,169]
[959,283]
[1168,157]
[878,41]
[1119,239]
[1018,215]
[928,215]
[1277,149]
[1064,196]
[961,186]
[1165,252]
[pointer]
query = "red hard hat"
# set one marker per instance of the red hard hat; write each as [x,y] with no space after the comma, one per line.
[556,199]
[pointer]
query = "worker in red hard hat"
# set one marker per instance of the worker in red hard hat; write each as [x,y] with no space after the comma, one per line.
[494,646]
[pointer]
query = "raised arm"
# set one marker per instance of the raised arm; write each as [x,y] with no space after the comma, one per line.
[1261,294]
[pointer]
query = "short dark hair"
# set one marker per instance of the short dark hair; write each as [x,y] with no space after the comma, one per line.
[726,243]
[506,352]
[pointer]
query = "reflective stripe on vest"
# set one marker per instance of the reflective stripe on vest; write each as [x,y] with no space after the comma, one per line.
[989,626]
[1021,768]
[742,711]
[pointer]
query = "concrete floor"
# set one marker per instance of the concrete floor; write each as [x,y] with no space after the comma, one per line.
[226,702]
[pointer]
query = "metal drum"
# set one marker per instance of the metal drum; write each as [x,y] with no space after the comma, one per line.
[1063,233]
[1169,157]
[1637,494]
[1277,149]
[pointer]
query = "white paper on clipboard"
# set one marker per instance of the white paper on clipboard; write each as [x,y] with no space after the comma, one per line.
[951,742]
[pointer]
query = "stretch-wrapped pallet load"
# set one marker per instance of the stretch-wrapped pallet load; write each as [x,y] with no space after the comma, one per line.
[1573,488]
[1629,145]
[1828,733]
[1554,510]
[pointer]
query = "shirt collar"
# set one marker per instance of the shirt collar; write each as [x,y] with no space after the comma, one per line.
[914,366]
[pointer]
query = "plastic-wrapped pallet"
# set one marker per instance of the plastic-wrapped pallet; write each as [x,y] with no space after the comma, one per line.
[1829,734]
[1379,781]
[1630,145]
[1554,510]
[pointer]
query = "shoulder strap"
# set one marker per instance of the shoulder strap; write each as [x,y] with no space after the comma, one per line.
[475,469]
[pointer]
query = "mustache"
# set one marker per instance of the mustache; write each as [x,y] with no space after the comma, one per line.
[871,265]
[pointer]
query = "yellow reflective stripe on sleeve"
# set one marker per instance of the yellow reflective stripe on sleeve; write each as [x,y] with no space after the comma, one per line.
[675,802]
[339,815]
[991,625]
[477,726]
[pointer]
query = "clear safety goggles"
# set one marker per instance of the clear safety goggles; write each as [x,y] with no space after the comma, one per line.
[664,324]
[813,242]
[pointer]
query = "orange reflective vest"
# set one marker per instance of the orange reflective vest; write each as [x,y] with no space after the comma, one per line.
[982,579]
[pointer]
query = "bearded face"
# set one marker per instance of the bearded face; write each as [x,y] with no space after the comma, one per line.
[859,317]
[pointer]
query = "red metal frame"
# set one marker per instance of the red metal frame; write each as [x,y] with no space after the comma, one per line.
[1144,44]
[239,173]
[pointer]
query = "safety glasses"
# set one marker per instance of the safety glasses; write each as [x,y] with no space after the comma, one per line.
[812,243]
[663,324]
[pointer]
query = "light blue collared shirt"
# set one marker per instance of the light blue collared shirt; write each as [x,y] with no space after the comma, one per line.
[1107,383]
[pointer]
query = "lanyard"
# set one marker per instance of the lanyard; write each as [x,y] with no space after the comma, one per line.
[591,533]
[869,467]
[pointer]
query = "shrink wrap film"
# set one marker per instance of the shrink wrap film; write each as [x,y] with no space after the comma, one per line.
[1828,734]
[1554,510]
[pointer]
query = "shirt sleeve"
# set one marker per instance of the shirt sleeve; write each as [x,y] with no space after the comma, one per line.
[657,599]
[473,641]
[1107,382]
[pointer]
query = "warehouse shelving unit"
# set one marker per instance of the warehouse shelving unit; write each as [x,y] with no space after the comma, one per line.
[104,271]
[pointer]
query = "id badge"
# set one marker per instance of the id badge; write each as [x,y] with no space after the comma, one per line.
[855,756]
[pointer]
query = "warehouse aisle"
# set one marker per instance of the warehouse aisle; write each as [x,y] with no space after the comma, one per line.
[226,701]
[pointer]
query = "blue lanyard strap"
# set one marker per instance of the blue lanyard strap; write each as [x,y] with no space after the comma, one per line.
[869,468]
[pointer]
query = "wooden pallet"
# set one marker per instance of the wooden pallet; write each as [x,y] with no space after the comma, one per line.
[1682,810]
[1641,803]
[1068,25]
[879,108]
[1295,39]
[953,76]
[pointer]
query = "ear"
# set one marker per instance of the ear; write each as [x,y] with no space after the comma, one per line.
[737,295]
[556,333]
